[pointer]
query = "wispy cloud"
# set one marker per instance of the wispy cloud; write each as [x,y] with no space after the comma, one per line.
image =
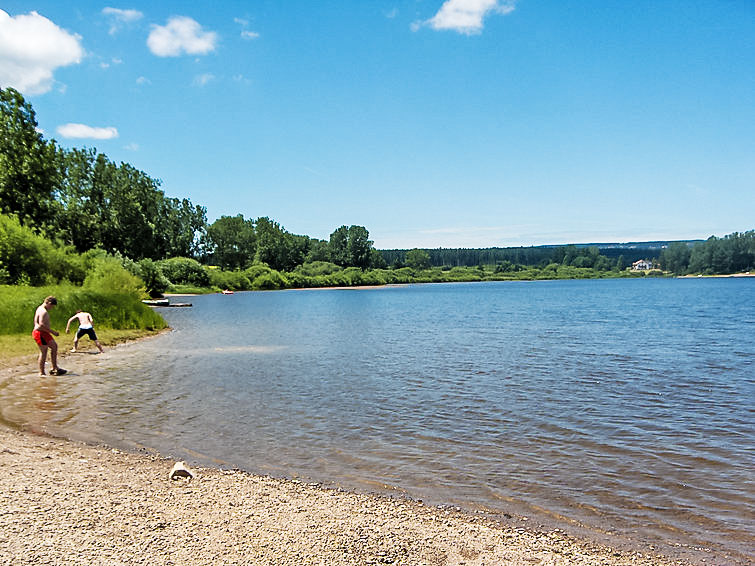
[118,18]
[143,81]
[181,35]
[82,131]
[202,80]
[246,33]
[31,49]
[131,147]
[465,16]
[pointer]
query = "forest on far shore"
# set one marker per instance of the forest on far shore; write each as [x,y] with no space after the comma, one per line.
[73,215]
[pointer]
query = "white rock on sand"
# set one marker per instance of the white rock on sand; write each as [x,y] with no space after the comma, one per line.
[63,502]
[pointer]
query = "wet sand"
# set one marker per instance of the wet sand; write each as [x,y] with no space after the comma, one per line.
[63,502]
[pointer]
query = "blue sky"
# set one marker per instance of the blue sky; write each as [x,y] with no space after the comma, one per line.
[460,123]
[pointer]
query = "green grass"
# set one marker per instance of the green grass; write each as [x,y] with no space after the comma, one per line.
[117,317]
[117,311]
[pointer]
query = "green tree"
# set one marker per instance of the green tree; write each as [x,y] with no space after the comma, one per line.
[418,259]
[231,242]
[675,257]
[317,250]
[359,247]
[339,246]
[181,226]
[377,261]
[28,174]
[276,247]
[351,247]
[83,197]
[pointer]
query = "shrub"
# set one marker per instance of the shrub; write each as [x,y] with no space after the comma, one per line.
[27,258]
[109,275]
[185,271]
[269,281]
[153,277]
[314,268]
[234,280]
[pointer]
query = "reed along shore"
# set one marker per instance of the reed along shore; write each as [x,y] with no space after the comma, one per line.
[64,502]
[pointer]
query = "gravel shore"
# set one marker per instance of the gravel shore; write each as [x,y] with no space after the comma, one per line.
[62,502]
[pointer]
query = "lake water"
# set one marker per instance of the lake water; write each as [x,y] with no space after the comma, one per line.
[622,407]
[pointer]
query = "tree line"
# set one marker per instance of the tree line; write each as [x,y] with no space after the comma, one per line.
[84,203]
[83,199]
[734,253]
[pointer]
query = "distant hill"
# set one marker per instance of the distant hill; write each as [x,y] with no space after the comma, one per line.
[654,245]
[533,255]
[632,251]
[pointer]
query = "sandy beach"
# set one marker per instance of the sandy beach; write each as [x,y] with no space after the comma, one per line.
[64,502]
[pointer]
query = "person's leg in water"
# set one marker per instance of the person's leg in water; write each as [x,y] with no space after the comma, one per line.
[42,359]
[53,346]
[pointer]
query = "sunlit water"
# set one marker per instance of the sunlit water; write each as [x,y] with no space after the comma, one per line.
[625,406]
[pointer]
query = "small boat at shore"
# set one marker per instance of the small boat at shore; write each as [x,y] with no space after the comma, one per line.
[164,303]
[156,302]
[226,292]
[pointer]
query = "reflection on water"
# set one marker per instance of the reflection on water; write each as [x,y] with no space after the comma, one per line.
[621,405]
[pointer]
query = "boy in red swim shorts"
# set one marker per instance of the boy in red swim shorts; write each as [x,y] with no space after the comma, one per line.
[42,335]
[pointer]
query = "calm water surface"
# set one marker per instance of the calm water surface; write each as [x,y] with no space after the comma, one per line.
[622,406]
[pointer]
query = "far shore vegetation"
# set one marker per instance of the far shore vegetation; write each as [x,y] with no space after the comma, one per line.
[102,237]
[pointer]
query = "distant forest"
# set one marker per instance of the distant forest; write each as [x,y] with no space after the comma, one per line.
[535,255]
[80,202]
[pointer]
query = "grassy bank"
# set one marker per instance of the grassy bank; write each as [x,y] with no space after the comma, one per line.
[118,317]
[17,349]
[325,274]
[122,311]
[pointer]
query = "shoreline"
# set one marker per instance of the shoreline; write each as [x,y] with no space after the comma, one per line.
[507,539]
[67,502]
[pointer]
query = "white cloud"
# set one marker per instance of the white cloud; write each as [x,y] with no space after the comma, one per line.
[84,131]
[245,33]
[143,81]
[181,35]
[201,80]
[120,17]
[131,147]
[31,49]
[465,16]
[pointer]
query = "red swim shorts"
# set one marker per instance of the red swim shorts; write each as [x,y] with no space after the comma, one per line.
[42,337]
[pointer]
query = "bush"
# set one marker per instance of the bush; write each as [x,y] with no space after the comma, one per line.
[314,268]
[153,277]
[269,281]
[185,271]
[27,258]
[234,280]
[255,270]
[109,276]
